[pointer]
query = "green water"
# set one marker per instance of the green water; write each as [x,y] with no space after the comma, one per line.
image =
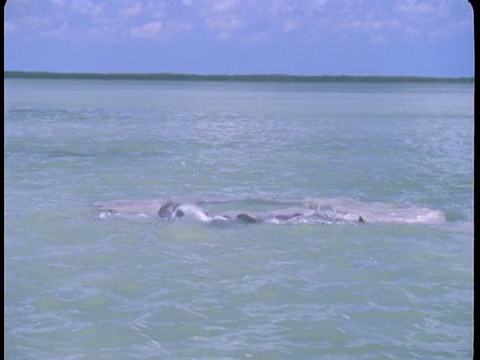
[81,286]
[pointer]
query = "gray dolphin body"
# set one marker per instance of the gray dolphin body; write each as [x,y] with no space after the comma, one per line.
[294,211]
[173,211]
[169,211]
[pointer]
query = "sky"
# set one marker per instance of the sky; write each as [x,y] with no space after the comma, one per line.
[295,37]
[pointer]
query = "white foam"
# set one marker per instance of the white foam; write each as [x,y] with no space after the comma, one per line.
[195,211]
[315,211]
[351,209]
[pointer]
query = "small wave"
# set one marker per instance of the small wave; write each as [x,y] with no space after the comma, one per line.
[249,210]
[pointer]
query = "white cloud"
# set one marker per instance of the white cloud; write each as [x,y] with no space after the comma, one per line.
[147,31]
[156,9]
[87,7]
[178,26]
[428,18]
[245,20]
[378,39]
[317,5]
[415,8]
[18,2]
[276,7]
[290,25]
[131,11]
[224,6]
[464,23]
[224,26]
[411,31]
[373,25]
[9,27]
[259,36]
[35,22]
[60,32]
[105,32]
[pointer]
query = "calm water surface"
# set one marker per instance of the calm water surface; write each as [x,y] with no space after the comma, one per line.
[79,285]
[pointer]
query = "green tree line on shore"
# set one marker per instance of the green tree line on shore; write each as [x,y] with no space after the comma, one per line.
[247,77]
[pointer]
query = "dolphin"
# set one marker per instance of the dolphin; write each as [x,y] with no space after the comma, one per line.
[169,211]
[301,211]
[247,218]
[174,209]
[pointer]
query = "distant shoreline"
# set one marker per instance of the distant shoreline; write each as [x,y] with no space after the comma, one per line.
[243,78]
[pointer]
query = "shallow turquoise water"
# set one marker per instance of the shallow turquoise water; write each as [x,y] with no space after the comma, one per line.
[81,286]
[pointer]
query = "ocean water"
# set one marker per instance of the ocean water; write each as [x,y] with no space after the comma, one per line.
[88,276]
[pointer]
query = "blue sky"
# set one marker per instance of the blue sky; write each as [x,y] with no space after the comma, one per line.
[299,37]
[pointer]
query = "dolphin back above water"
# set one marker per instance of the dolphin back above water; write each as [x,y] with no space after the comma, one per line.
[266,211]
[173,211]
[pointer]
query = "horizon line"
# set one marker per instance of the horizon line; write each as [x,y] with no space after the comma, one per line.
[213,77]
